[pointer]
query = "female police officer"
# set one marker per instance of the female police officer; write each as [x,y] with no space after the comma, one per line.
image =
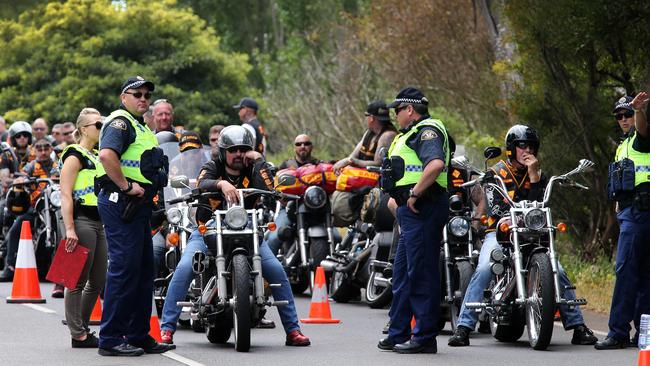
[417,181]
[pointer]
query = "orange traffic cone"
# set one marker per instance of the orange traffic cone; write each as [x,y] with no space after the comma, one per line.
[644,357]
[26,288]
[319,311]
[96,315]
[154,324]
[413,323]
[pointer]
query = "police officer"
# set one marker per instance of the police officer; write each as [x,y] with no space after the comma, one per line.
[631,296]
[418,158]
[523,181]
[135,169]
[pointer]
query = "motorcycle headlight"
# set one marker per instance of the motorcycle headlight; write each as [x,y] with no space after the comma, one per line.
[55,198]
[236,218]
[458,226]
[315,197]
[535,219]
[174,216]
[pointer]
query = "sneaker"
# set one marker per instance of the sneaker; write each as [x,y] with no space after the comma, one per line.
[265,324]
[167,336]
[460,337]
[57,291]
[583,336]
[90,342]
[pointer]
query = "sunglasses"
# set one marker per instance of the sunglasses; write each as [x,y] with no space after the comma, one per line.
[399,109]
[305,143]
[22,134]
[525,144]
[67,133]
[139,95]
[98,125]
[628,114]
[214,140]
[241,149]
[39,128]
[42,147]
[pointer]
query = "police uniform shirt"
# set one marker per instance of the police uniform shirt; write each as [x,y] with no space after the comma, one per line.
[428,144]
[641,144]
[118,134]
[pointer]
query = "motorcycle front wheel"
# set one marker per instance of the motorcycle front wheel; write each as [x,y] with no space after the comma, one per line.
[377,296]
[540,304]
[462,273]
[241,279]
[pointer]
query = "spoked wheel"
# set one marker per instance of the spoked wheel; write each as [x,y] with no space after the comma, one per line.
[341,289]
[509,332]
[377,295]
[540,304]
[241,278]
[463,271]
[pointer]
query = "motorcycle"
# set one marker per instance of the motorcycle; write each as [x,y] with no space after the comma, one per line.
[309,236]
[180,222]
[230,279]
[525,288]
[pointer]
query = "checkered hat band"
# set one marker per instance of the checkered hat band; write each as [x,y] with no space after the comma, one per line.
[137,84]
[407,100]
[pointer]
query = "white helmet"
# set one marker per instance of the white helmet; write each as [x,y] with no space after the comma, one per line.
[17,128]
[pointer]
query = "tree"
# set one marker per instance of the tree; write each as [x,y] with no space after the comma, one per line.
[61,57]
[573,57]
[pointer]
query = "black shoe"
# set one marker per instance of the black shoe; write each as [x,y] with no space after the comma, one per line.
[460,337]
[123,349]
[385,330]
[90,342]
[57,291]
[386,344]
[635,341]
[611,343]
[151,346]
[484,327]
[415,347]
[266,324]
[583,336]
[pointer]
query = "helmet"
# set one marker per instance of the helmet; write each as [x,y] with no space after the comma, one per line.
[518,133]
[231,136]
[166,136]
[19,127]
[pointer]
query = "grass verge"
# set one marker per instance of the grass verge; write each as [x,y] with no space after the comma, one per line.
[593,280]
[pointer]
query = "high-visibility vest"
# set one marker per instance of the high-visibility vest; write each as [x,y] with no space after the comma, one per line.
[84,185]
[641,160]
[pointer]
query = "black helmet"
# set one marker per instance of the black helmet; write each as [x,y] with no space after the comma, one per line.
[232,136]
[20,127]
[166,136]
[518,133]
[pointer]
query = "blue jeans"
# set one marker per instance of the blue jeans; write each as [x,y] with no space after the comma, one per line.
[159,250]
[482,276]
[631,296]
[272,271]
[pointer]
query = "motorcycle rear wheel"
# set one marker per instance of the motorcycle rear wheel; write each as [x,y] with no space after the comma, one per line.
[509,332]
[241,279]
[377,297]
[341,289]
[540,305]
[220,331]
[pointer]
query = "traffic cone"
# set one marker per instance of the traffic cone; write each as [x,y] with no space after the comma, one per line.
[154,324]
[413,323]
[319,311]
[644,357]
[26,288]
[96,315]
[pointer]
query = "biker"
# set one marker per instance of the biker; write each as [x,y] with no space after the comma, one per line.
[42,167]
[17,153]
[247,110]
[378,136]
[303,148]
[524,182]
[238,166]
[633,213]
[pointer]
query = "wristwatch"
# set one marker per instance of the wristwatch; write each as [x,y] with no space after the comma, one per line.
[413,194]
[128,188]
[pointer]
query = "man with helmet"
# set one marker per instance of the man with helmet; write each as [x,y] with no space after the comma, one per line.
[237,165]
[135,170]
[18,153]
[629,186]
[521,174]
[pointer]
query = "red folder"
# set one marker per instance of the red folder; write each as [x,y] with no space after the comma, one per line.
[66,267]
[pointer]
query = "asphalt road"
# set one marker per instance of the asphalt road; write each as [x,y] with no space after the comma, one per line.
[34,335]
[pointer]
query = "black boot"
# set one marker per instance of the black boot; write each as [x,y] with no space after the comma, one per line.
[611,343]
[460,337]
[583,336]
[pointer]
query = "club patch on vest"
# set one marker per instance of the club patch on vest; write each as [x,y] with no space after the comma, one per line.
[118,124]
[428,135]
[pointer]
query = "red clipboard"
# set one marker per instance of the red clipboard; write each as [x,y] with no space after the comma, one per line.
[66,267]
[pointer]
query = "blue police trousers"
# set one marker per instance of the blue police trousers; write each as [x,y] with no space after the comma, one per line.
[416,276]
[129,282]
[631,296]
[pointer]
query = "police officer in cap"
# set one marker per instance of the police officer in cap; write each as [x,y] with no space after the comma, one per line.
[416,177]
[135,169]
[632,287]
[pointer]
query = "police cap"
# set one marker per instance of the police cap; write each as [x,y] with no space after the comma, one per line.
[135,82]
[623,103]
[409,95]
[248,103]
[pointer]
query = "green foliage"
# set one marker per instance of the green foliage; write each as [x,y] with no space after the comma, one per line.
[61,57]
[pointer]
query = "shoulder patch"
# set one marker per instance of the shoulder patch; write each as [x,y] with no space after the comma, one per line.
[118,124]
[428,135]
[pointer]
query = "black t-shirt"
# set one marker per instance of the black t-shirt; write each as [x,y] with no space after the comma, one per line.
[642,144]
[294,163]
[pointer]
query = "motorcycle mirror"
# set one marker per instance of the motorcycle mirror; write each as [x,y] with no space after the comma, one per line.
[460,162]
[586,165]
[455,203]
[286,180]
[491,152]
[180,181]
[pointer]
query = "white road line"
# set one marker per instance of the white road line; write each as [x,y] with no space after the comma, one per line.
[40,308]
[181,359]
[597,332]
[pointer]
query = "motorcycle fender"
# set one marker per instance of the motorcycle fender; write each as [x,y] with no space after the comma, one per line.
[319,231]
